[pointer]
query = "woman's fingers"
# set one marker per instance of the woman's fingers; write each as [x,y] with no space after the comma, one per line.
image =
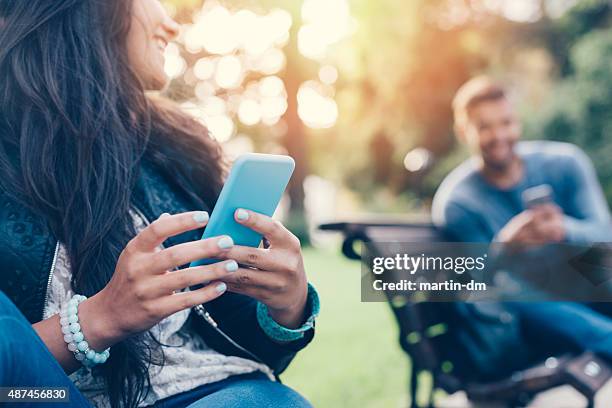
[273,230]
[259,285]
[184,300]
[255,257]
[181,254]
[245,278]
[167,226]
[181,279]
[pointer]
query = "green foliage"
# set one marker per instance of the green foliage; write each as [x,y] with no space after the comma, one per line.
[579,110]
[583,18]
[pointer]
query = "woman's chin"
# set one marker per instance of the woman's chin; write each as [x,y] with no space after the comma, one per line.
[156,82]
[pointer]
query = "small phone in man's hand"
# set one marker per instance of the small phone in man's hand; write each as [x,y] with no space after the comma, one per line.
[538,195]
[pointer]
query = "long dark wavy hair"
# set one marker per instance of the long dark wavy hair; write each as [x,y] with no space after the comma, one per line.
[75,124]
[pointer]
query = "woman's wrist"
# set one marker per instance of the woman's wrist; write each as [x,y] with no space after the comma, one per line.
[70,322]
[292,316]
[96,325]
[282,333]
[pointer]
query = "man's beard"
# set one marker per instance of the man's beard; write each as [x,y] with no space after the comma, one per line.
[503,165]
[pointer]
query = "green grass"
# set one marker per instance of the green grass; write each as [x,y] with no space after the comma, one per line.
[354,359]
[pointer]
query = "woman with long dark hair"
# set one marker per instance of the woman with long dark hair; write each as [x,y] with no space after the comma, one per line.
[104,191]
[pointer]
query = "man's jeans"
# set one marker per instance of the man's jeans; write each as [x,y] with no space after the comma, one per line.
[568,326]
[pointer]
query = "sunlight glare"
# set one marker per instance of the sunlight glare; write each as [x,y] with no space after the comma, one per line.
[204,68]
[328,74]
[229,72]
[174,64]
[516,10]
[315,109]
[325,23]
[221,127]
[271,86]
[249,112]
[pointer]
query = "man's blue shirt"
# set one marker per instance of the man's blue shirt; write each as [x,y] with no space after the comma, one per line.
[471,209]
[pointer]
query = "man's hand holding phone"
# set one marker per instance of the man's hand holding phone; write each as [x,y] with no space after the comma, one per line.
[540,224]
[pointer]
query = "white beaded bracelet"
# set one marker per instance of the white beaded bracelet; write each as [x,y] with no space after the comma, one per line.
[69,319]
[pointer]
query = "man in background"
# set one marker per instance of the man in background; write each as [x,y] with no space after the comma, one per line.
[482,201]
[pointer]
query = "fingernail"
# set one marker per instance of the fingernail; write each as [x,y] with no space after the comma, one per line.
[220,288]
[242,215]
[231,266]
[164,215]
[225,242]
[200,217]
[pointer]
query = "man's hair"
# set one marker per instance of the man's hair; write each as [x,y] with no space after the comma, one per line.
[477,90]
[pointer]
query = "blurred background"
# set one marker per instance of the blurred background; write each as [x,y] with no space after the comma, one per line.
[359,92]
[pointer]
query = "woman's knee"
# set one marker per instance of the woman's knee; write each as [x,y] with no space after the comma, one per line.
[279,395]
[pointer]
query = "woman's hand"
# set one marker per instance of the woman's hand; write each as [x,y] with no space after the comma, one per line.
[274,275]
[141,291]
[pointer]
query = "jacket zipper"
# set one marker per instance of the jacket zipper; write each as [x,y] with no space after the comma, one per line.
[201,311]
[51,272]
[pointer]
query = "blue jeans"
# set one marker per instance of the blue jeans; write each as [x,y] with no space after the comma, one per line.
[25,361]
[568,326]
[249,390]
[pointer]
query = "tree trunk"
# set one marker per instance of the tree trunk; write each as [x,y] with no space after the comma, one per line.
[295,139]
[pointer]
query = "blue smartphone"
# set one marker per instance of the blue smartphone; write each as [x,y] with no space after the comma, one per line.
[256,182]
